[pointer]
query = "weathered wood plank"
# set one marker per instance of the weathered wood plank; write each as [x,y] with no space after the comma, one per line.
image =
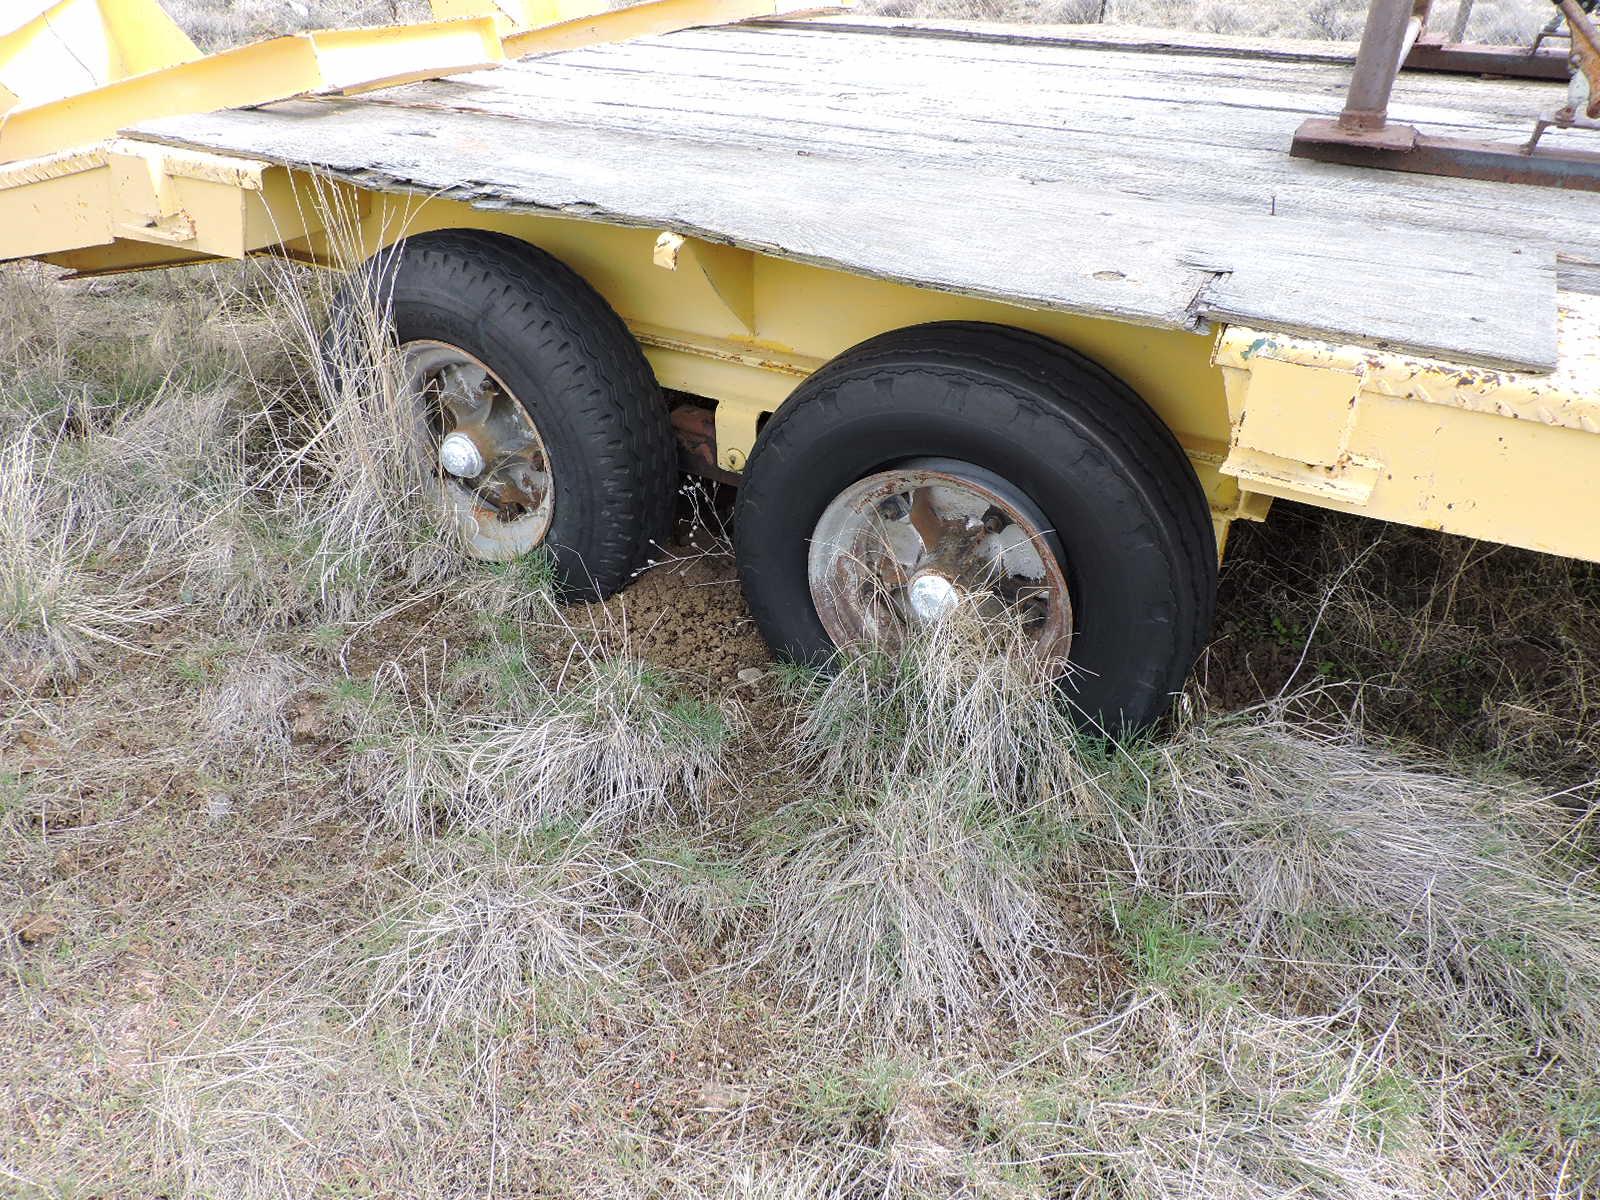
[1124,182]
[1118,129]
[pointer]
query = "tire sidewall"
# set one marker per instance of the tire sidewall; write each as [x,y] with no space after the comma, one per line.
[867,416]
[572,363]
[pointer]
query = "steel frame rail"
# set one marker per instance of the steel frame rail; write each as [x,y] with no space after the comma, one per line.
[1451,53]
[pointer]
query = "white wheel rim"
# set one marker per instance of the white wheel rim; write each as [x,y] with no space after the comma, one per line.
[902,546]
[474,420]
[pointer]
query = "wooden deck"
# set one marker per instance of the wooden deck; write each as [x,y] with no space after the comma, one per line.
[1103,173]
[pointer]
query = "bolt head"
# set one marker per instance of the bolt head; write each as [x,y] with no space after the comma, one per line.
[459,456]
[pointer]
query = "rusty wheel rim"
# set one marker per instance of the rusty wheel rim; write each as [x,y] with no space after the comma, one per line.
[489,457]
[906,546]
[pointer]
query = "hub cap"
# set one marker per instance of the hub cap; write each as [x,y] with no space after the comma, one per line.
[459,456]
[911,545]
[493,470]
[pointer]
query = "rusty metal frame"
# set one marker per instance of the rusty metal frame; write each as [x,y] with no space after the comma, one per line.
[1450,53]
[1363,135]
[1477,58]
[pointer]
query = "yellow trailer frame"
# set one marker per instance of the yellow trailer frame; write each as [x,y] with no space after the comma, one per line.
[1489,454]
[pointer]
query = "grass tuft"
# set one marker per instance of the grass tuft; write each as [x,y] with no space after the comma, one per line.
[602,740]
[1364,879]
[505,932]
[921,906]
[248,707]
[52,613]
[963,698]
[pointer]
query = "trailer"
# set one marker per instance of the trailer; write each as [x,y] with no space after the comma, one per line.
[966,311]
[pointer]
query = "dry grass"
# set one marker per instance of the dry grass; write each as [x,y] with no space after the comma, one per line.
[533,930]
[52,613]
[914,894]
[499,904]
[1174,1100]
[965,699]
[219,24]
[1371,880]
[1474,649]
[467,890]
[216,24]
[919,907]
[598,738]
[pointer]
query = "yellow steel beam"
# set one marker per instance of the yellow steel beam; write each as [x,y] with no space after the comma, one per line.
[745,329]
[58,203]
[348,60]
[1488,454]
[128,204]
[72,46]
[650,19]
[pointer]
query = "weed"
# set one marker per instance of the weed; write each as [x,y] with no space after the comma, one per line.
[912,907]
[504,928]
[963,697]
[51,611]
[1416,890]
[601,739]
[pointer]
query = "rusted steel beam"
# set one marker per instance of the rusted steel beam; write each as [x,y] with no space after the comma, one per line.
[1472,58]
[1363,135]
[695,428]
[1402,148]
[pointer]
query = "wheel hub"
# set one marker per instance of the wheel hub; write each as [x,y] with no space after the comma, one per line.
[932,597]
[493,469]
[911,545]
[459,456]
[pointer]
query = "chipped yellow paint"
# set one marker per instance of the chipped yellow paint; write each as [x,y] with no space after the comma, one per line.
[1306,443]
[1567,397]
[1499,455]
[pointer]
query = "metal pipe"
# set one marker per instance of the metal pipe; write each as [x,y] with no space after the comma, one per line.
[1377,64]
[1458,31]
[1414,28]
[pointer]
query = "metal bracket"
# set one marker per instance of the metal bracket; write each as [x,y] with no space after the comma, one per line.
[1292,425]
[728,271]
[1474,58]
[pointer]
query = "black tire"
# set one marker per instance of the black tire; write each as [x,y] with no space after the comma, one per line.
[571,362]
[1134,526]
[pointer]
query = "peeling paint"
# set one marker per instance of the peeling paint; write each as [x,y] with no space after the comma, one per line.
[1568,397]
